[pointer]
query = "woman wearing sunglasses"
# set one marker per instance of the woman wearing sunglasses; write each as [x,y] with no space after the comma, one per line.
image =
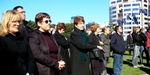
[45,48]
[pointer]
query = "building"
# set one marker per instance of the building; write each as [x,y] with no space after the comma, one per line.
[120,9]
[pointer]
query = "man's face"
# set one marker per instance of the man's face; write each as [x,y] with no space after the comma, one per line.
[120,29]
[22,13]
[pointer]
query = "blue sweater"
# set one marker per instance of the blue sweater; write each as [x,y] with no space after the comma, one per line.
[117,44]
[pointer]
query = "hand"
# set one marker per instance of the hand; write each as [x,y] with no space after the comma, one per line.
[61,64]
[101,43]
[99,47]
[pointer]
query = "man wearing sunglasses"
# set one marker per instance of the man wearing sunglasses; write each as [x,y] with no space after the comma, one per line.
[24,29]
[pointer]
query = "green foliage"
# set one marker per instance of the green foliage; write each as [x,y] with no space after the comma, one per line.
[32,24]
[69,27]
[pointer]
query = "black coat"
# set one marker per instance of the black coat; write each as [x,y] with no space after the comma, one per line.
[25,30]
[79,66]
[143,39]
[136,38]
[16,57]
[41,53]
[64,45]
[94,39]
[129,39]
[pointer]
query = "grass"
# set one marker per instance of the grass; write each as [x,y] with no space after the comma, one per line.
[127,68]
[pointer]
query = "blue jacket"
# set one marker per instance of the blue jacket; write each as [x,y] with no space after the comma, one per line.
[117,43]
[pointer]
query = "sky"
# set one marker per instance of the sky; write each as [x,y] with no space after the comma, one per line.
[62,10]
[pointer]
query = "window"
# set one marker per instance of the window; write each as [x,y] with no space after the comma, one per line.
[127,5]
[113,2]
[113,12]
[113,8]
[127,27]
[134,9]
[114,16]
[137,4]
[128,22]
[118,0]
[127,9]
[145,5]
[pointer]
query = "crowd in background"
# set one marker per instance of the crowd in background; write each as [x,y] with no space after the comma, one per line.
[45,51]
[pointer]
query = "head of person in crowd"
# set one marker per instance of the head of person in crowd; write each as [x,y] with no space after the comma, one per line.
[142,30]
[43,21]
[135,30]
[118,29]
[11,21]
[130,32]
[95,28]
[21,11]
[106,30]
[61,27]
[79,22]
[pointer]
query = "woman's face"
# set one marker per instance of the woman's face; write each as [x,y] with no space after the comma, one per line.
[61,31]
[14,26]
[98,30]
[44,25]
[80,26]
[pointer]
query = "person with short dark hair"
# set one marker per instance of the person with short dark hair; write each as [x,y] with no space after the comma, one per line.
[63,45]
[45,48]
[24,29]
[118,48]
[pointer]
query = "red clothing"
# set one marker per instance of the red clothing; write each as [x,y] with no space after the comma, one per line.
[52,48]
[148,39]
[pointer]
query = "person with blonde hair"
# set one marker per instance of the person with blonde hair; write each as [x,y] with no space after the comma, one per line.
[96,55]
[136,41]
[15,53]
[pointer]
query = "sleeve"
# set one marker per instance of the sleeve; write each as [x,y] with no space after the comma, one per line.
[113,42]
[103,39]
[77,41]
[31,62]
[61,41]
[136,37]
[39,56]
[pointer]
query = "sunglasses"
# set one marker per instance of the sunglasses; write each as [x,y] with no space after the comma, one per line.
[46,21]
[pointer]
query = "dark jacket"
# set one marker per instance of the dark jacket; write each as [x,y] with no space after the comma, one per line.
[143,39]
[136,38]
[106,40]
[97,64]
[77,46]
[117,44]
[16,57]
[64,45]
[25,30]
[41,53]
[94,39]
[129,39]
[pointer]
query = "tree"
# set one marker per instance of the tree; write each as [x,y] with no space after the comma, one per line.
[32,24]
[69,27]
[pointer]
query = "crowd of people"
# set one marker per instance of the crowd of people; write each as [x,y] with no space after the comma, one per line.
[24,51]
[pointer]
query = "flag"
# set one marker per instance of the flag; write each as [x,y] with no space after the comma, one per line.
[119,21]
[124,20]
[143,11]
[132,17]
